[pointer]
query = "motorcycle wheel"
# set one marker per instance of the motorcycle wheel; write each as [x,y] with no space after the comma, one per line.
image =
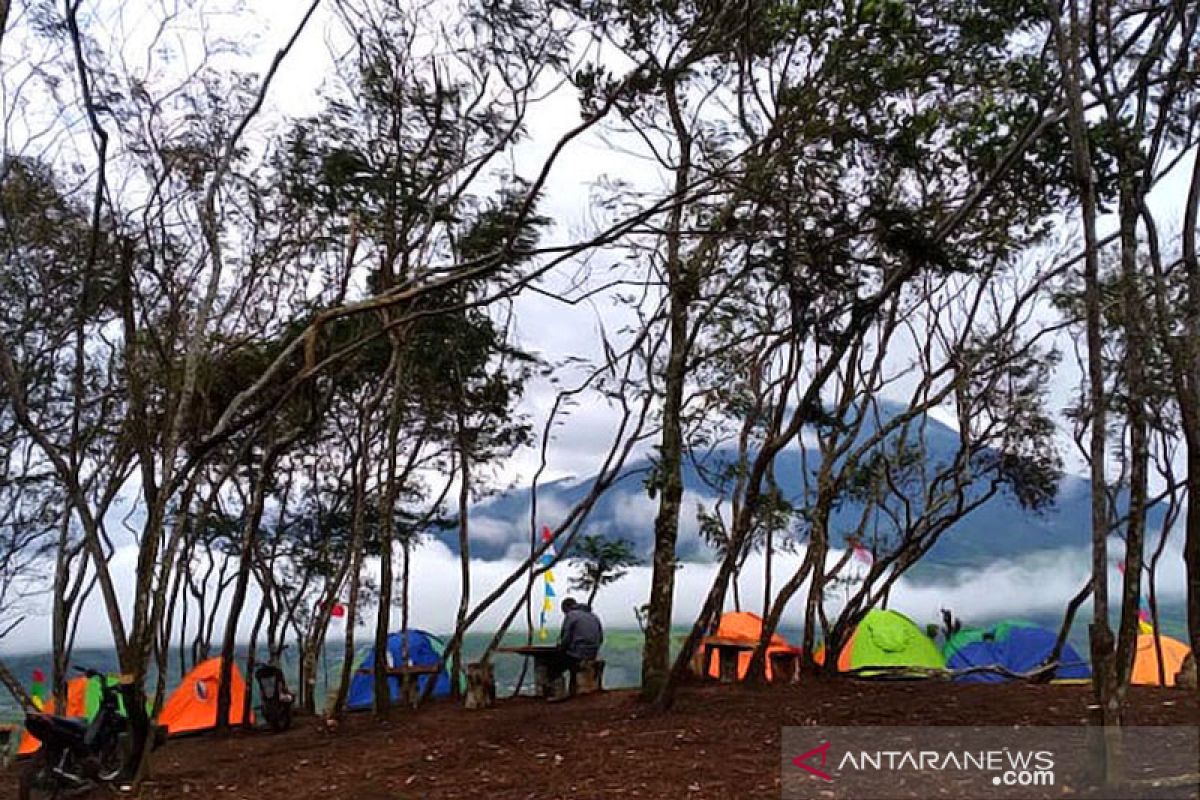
[37,782]
[111,761]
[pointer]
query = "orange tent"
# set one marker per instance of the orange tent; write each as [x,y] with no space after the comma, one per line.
[747,627]
[193,705]
[77,706]
[1145,662]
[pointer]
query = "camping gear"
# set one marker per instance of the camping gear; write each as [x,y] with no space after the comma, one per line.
[890,640]
[192,706]
[1015,646]
[741,626]
[75,755]
[1145,662]
[277,701]
[424,650]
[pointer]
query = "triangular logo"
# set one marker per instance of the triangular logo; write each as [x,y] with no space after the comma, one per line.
[821,750]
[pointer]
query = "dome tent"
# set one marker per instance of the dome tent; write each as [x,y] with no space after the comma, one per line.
[887,639]
[747,627]
[424,649]
[1015,645]
[1145,661]
[192,707]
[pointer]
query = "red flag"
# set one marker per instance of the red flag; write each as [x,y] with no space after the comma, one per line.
[547,536]
[39,676]
[338,610]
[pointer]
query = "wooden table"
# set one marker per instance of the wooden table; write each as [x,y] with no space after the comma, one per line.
[408,686]
[728,653]
[542,655]
[784,662]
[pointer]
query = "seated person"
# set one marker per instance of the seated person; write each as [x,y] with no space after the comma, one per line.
[580,639]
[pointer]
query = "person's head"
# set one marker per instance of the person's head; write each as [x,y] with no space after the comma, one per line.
[568,604]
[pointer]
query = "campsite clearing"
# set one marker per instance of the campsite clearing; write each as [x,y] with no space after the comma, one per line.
[721,741]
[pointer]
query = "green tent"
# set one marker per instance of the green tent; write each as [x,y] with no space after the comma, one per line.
[888,639]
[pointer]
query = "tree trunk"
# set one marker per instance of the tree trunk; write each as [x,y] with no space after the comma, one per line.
[381,695]
[464,556]
[238,601]
[656,650]
[1104,677]
[1134,312]
[1064,630]
[758,660]
[338,703]
[1189,404]
[252,665]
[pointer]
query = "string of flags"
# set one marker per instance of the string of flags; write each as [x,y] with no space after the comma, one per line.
[547,580]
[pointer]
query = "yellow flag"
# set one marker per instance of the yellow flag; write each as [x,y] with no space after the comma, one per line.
[549,576]
[547,605]
[542,634]
[1145,627]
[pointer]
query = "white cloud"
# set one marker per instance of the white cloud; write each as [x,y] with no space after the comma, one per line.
[1041,583]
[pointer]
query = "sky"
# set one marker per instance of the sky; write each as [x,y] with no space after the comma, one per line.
[557,332]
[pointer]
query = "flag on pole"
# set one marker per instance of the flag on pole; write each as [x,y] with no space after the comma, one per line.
[38,690]
[547,581]
[338,610]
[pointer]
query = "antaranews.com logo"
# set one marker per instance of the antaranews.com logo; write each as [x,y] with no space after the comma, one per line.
[1006,763]
[1006,767]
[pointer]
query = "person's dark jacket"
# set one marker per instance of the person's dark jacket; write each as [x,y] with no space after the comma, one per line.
[582,633]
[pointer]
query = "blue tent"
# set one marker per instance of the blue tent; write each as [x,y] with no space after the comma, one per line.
[423,648]
[1017,646]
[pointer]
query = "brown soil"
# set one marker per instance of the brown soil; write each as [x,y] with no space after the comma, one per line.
[719,742]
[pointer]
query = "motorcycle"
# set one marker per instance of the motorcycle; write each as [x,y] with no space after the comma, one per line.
[277,701]
[77,756]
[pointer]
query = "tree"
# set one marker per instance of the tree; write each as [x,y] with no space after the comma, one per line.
[838,249]
[601,562]
[1132,63]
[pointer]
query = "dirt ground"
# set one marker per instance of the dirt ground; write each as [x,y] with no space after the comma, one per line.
[719,742]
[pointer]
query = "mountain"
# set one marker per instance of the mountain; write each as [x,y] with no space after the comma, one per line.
[1001,529]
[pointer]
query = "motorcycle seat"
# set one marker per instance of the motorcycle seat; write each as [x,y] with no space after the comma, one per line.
[72,725]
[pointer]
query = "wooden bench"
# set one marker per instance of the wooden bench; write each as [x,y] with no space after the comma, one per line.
[481,685]
[409,679]
[588,677]
[785,666]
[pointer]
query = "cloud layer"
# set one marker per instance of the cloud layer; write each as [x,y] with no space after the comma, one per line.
[1038,584]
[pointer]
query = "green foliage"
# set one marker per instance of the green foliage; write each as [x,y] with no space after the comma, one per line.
[602,561]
